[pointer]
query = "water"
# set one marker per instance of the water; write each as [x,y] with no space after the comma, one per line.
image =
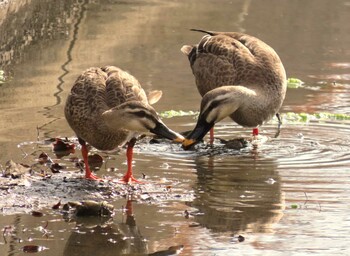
[289,196]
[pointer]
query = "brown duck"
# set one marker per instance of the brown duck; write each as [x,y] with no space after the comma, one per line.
[238,76]
[107,108]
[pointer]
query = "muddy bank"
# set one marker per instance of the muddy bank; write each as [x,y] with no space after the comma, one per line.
[43,179]
[37,191]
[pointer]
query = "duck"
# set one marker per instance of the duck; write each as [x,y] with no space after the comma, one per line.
[238,76]
[108,108]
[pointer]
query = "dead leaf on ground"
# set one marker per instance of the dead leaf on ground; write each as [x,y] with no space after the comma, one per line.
[55,168]
[15,170]
[56,206]
[63,148]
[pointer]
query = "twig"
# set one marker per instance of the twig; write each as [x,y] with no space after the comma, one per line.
[307,199]
[37,133]
[279,125]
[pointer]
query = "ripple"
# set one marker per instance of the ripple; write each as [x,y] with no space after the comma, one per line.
[315,145]
[300,145]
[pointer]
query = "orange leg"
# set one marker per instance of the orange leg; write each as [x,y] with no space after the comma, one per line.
[255,131]
[128,177]
[88,173]
[211,141]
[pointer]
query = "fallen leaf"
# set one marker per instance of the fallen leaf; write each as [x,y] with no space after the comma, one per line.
[43,158]
[55,168]
[60,145]
[15,170]
[32,248]
[56,206]
[37,214]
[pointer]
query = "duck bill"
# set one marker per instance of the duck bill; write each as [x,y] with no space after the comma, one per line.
[201,129]
[162,130]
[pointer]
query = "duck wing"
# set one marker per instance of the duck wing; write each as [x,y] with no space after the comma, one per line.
[231,58]
[95,91]
[122,87]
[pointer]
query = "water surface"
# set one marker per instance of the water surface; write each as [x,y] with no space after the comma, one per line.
[288,196]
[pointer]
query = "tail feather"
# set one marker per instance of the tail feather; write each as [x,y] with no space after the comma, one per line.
[186,49]
[203,31]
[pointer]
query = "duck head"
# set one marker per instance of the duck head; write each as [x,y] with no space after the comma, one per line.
[138,117]
[215,106]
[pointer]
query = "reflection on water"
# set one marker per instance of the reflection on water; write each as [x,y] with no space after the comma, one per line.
[290,190]
[238,194]
[104,237]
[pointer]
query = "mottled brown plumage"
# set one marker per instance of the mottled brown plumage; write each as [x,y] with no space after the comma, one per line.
[95,91]
[242,67]
[107,107]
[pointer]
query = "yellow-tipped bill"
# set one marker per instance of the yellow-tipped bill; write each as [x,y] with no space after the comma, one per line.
[188,142]
[179,139]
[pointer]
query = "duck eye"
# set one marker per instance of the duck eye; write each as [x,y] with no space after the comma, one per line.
[140,113]
[214,104]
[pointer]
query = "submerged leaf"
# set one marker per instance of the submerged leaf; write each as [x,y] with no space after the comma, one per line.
[37,214]
[172,250]
[32,248]
[294,83]
[56,206]
[174,113]
[323,116]
[2,77]
[60,145]
[331,116]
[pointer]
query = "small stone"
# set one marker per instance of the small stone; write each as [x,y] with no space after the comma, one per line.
[240,238]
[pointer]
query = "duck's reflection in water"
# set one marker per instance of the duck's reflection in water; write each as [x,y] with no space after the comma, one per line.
[98,236]
[238,194]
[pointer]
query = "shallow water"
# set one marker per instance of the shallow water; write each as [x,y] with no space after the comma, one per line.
[288,196]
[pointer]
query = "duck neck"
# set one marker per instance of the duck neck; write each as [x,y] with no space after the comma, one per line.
[225,100]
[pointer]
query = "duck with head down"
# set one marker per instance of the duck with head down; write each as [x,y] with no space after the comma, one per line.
[107,108]
[238,76]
